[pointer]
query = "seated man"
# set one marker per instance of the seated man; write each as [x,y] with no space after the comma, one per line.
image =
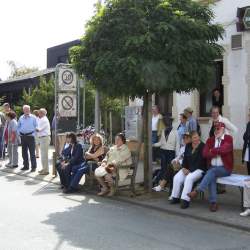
[95,153]
[219,153]
[71,156]
[118,155]
[193,167]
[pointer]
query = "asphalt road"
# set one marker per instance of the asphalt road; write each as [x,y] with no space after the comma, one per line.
[35,215]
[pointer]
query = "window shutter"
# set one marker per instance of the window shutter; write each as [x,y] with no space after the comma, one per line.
[236,42]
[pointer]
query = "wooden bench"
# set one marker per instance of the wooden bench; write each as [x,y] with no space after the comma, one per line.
[131,176]
[235,180]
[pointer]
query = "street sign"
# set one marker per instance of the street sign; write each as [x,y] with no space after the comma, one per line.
[133,122]
[246,18]
[67,104]
[67,80]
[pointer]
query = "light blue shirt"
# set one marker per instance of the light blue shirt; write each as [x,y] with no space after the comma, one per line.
[27,124]
[192,124]
[182,129]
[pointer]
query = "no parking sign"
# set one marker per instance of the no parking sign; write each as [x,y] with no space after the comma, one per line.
[67,105]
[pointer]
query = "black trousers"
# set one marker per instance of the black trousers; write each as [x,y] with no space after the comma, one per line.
[28,144]
[248,168]
[64,174]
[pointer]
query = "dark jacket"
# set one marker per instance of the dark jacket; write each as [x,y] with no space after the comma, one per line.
[194,160]
[77,155]
[225,150]
[246,139]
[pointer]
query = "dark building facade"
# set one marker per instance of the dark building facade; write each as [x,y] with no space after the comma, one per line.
[60,53]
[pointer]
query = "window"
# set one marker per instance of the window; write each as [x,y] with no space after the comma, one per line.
[165,103]
[236,42]
[206,95]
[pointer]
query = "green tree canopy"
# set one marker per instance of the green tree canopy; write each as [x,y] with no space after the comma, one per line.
[42,96]
[131,46]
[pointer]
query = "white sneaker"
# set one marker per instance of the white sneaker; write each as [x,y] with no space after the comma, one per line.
[157,188]
[246,213]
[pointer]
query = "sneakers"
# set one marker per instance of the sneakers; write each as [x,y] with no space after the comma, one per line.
[245,213]
[157,188]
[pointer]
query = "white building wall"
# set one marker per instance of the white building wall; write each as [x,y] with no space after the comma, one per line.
[236,70]
[236,77]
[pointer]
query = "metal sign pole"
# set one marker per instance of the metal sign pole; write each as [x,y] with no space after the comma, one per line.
[83,106]
[56,153]
[78,105]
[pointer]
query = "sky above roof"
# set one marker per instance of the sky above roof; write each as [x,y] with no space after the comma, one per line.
[28,28]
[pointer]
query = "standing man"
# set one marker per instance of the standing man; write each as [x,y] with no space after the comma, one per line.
[27,126]
[191,124]
[217,99]
[43,134]
[157,127]
[230,128]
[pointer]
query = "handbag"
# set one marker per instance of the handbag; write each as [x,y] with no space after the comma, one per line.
[100,172]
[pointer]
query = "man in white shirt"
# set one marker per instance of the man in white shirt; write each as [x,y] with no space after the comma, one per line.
[230,128]
[43,134]
[157,127]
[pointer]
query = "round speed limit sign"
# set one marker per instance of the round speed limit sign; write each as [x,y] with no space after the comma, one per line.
[67,77]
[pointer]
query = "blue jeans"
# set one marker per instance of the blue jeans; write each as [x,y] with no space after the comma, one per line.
[155,151]
[209,181]
[77,172]
[154,137]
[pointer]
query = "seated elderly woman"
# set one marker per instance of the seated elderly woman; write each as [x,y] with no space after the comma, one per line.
[95,153]
[118,155]
[71,156]
[193,168]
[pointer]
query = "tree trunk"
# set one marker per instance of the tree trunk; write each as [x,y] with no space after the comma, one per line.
[111,127]
[105,118]
[97,111]
[147,126]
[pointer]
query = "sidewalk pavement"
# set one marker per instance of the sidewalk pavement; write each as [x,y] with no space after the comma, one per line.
[227,215]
